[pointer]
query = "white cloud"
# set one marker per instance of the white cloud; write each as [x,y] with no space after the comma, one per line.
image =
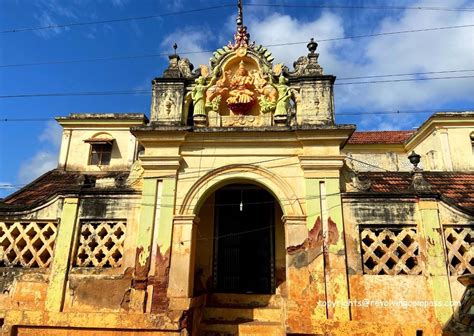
[278,28]
[189,39]
[6,186]
[48,12]
[119,3]
[45,158]
[439,50]
[174,4]
[40,163]
[51,134]
[46,20]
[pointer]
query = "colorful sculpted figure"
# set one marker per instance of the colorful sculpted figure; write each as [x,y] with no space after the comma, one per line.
[242,90]
[198,94]
[214,93]
[268,93]
[284,96]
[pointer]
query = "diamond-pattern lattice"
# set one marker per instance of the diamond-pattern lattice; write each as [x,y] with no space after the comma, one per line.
[460,250]
[390,251]
[101,244]
[27,244]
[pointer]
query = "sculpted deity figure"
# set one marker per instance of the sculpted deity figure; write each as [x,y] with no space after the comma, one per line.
[168,103]
[268,93]
[215,92]
[284,95]
[198,94]
[242,87]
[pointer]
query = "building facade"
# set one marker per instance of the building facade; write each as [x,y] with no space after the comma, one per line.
[241,207]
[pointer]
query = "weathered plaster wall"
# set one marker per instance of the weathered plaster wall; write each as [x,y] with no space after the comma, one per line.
[86,285]
[368,158]
[78,152]
[404,288]
[447,148]
[461,148]
[452,217]
[21,287]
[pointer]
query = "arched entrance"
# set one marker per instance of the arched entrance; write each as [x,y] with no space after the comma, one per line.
[240,242]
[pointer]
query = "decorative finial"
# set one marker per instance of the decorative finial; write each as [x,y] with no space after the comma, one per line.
[414,159]
[418,182]
[241,36]
[240,16]
[312,46]
[175,47]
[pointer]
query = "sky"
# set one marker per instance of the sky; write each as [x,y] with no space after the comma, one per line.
[30,148]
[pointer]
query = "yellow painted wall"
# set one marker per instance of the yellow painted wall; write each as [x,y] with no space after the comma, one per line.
[78,151]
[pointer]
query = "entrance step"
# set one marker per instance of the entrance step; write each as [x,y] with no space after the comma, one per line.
[254,328]
[244,300]
[242,314]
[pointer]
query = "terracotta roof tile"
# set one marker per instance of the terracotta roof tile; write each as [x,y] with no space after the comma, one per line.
[380,137]
[49,184]
[456,187]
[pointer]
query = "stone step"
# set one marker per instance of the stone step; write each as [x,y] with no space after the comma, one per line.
[242,314]
[244,300]
[261,329]
[253,328]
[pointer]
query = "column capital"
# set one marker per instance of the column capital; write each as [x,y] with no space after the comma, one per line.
[185,220]
[160,166]
[321,166]
[294,220]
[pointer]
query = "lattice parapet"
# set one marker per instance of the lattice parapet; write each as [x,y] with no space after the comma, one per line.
[101,244]
[390,251]
[27,244]
[460,249]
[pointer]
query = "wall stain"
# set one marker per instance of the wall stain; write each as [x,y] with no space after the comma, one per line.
[312,247]
[160,281]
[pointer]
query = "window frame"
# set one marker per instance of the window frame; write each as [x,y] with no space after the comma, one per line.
[100,153]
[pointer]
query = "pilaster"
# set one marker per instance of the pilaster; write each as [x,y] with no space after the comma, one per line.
[182,261]
[431,241]
[143,244]
[444,140]
[62,255]
[326,233]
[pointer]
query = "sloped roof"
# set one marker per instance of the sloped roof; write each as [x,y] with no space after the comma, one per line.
[380,137]
[50,184]
[457,188]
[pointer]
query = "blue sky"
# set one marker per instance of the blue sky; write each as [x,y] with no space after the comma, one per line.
[28,149]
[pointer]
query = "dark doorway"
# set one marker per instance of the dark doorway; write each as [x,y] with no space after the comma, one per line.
[244,257]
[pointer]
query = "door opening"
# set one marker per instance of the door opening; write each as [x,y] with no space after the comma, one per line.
[244,252]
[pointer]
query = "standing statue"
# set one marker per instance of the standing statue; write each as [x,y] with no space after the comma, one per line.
[198,94]
[284,96]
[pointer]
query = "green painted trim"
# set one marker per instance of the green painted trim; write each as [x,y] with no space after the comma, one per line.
[436,269]
[62,255]
[165,226]
[313,202]
[147,218]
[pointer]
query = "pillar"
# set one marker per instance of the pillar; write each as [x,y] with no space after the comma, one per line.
[58,275]
[431,241]
[143,243]
[303,291]
[182,261]
[153,246]
[326,232]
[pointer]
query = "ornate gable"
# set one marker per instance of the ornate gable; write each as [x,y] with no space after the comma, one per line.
[242,88]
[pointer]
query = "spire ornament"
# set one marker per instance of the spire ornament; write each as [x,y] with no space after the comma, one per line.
[241,36]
